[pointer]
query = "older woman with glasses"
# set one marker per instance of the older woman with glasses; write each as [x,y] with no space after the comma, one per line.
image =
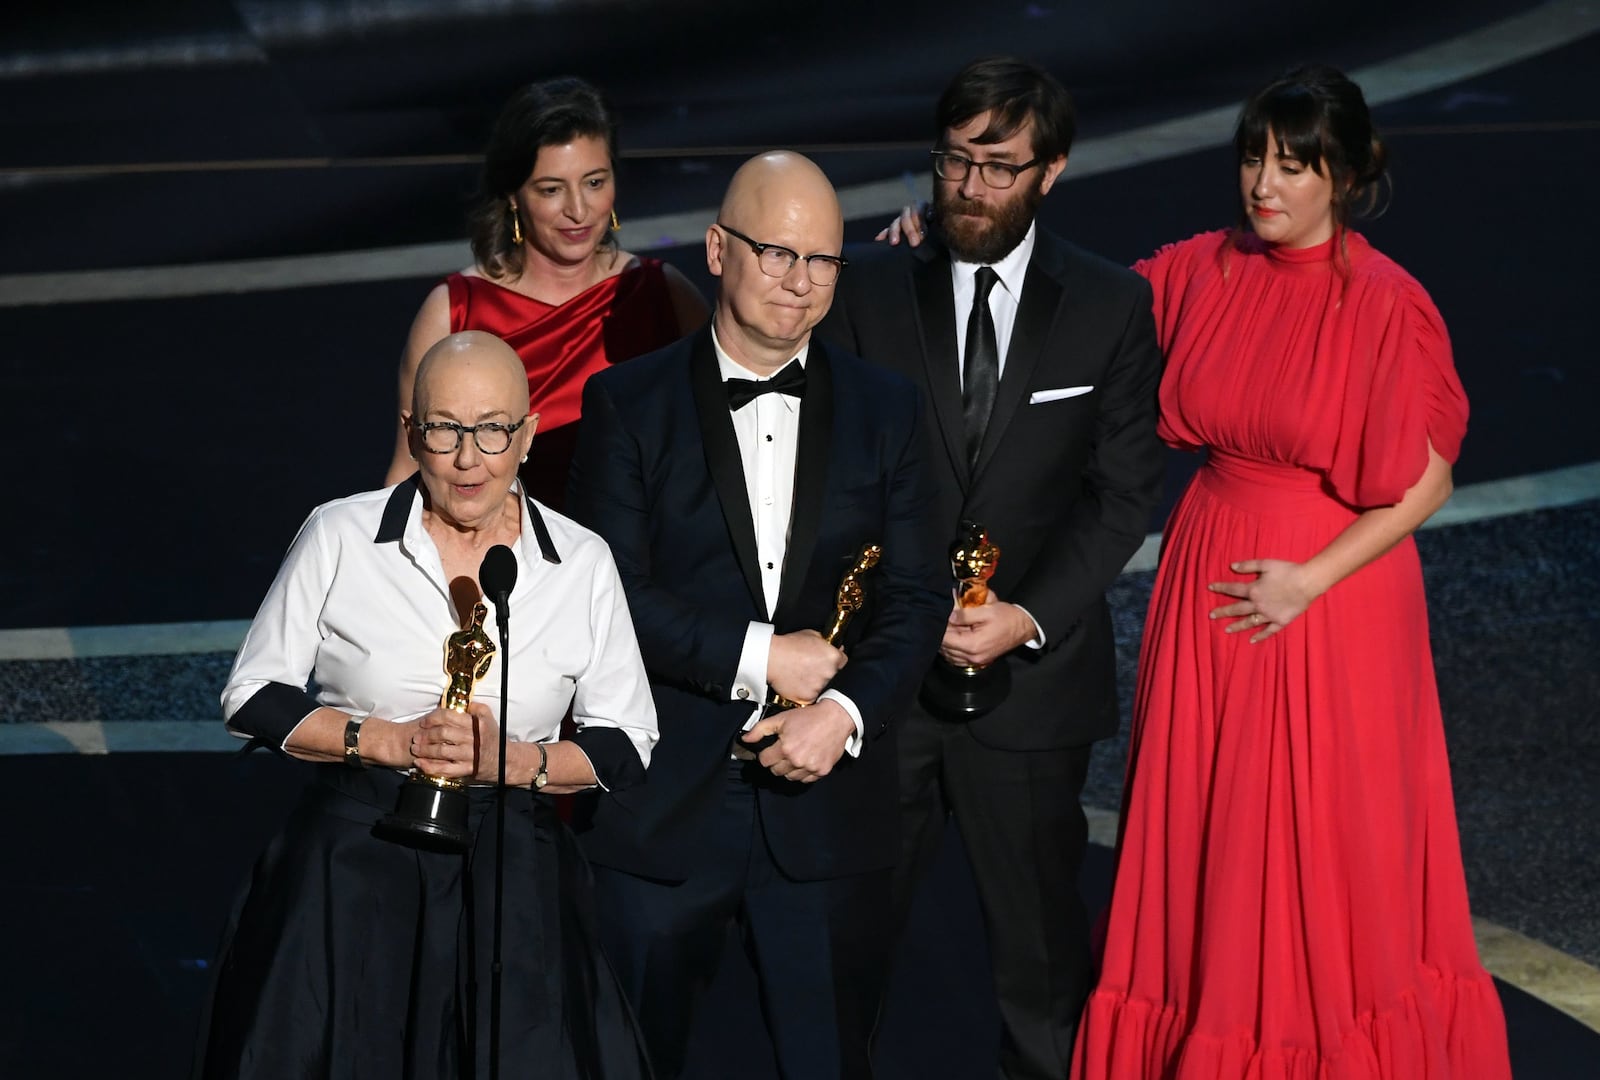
[356,955]
[548,276]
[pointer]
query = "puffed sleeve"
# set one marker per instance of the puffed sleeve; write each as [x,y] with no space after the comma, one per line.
[1168,271]
[266,695]
[1156,268]
[1403,394]
[613,709]
[1172,272]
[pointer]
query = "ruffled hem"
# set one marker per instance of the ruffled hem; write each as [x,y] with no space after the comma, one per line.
[1450,1028]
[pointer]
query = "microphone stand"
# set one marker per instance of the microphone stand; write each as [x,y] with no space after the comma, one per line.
[502,603]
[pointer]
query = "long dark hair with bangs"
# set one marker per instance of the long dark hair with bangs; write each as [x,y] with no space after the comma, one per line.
[540,114]
[1320,117]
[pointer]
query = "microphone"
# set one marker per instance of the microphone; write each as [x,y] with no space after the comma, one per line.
[498,576]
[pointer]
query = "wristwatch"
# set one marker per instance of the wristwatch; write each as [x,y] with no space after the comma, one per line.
[541,778]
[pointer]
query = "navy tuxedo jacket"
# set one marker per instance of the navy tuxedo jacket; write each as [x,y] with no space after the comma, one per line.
[657,473]
[1065,484]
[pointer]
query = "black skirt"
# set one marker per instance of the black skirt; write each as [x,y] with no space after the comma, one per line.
[354,957]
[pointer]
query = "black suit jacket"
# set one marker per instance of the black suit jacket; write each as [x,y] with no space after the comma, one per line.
[657,473]
[1065,487]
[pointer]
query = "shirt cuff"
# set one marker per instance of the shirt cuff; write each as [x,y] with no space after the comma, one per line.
[599,783]
[273,713]
[612,756]
[1038,631]
[852,745]
[750,681]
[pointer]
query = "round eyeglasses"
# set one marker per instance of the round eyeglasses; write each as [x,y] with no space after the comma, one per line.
[997,174]
[444,436]
[777,261]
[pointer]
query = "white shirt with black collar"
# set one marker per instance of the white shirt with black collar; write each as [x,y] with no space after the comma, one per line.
[357,618]
[768,430]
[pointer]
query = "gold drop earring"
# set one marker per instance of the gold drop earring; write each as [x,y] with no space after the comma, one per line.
[516,224]
[615,224]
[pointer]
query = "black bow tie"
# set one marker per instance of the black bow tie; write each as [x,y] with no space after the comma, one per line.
[791,380]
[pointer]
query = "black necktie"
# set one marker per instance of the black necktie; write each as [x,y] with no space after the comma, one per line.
[980,375]
[791,380]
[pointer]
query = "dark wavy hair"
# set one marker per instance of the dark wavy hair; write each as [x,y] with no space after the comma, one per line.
[541,114]
[1320,117]
[1012,92]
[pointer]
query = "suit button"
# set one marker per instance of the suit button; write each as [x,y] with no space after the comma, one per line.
[742,693]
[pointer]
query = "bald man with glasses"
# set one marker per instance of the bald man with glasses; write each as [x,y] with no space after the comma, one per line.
[737,476]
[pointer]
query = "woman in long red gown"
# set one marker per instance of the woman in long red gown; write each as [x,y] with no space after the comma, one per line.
[549,277]
[1289,899]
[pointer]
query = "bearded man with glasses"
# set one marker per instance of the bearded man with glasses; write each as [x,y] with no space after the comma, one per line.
[1039,364]
[737,475]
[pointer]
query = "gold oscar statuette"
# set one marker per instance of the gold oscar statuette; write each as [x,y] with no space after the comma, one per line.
[966,691]
[847,601]
[431,811]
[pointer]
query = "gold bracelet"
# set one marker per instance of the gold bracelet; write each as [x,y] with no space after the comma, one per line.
[352,742]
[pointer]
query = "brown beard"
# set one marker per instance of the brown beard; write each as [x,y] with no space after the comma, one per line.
[983,232]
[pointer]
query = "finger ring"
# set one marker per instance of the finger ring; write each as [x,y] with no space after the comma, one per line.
[1258,619]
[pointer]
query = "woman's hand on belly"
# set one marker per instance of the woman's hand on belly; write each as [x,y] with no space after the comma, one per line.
[1279,594]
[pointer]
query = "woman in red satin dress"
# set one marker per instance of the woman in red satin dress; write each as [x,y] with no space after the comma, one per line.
[549,277]
[1289,899]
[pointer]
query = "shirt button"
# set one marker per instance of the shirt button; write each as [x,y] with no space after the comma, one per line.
[769,566]
[767,499]
[769,438]
[742,693]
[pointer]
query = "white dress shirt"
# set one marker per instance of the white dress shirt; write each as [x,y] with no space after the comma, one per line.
[361,624]
[1003,300]
[768,430]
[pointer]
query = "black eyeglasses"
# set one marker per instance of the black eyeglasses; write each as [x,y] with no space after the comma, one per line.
[997,174]
[444,436]
[777,261]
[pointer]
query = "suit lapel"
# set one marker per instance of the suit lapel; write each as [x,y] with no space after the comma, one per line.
[1036,313]
[810,473]
[722,458]
[935,320]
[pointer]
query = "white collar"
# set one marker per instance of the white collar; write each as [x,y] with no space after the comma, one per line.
[732,369]
[1011,270]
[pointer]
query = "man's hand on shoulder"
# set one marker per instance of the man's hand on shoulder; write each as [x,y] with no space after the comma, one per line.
[981,635]
[811,740]
[801,664]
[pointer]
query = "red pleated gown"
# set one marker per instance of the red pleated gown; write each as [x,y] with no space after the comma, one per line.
[1289,898]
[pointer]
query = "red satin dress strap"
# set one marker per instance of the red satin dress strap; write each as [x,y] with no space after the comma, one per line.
[624,316]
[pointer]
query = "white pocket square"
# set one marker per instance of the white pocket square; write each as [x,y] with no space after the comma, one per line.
[1039,397]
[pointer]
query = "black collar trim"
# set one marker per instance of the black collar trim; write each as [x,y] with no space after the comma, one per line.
[398,509]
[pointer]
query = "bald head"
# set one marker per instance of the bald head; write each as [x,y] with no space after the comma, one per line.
[779,202]
[476,365]
[782,183]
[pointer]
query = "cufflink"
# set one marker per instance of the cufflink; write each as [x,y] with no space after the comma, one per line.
[742,694]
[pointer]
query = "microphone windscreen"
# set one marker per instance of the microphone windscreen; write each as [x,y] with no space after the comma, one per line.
[498,572]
